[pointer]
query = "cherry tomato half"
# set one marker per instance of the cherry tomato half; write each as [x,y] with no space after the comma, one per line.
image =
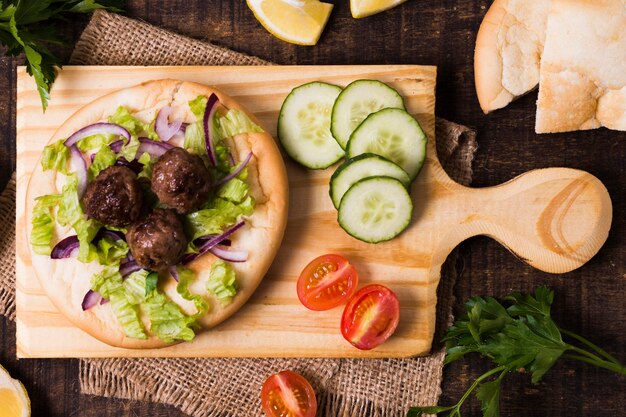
[326,282]
[288,394]
[370,317]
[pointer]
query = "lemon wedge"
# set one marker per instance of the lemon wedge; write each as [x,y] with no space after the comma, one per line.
[14,400]
[364,8]
[295,21]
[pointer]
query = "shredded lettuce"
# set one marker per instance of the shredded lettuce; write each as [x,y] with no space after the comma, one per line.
[109,284]
[111,252]
[222,282]
[234,190]
[198,106]
[194,139]
[167,320]
[148,163]
[134,126]
[43,224]
[103,159]
[55,156]
[95,142]
[71,213]
[237,122]
[186,277]
[129,150]
[139,285]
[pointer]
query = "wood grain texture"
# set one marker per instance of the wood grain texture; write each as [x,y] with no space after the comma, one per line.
[589,300]
[555,219]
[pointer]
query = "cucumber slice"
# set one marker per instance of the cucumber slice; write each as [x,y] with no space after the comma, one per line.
[375,209]
[357,101]
[394,134]
[304,125]
[363,166]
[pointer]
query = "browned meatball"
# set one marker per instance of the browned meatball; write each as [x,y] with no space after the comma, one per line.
[158,240]
[180,180]
[114,197]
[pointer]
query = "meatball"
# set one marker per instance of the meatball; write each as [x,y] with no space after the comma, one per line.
[114,197]
[158,240]
[180,180]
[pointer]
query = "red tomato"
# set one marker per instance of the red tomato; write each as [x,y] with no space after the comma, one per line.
[370,317]
[326,282]
[288,394]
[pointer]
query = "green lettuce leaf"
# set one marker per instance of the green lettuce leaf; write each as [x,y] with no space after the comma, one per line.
[109,284]
[186,277]
[95,142]
[234,190]
[148,163]
[167,321]
[139,285]
[237,122]
[103,159]
[129,150]
[71,213]
[198,106]
[134,126]
[111,252]
[55,156]
[43,224]
[194,139]
[222,282]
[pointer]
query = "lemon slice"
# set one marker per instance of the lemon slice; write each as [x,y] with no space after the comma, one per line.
[295,21]
[364,8]
[14,400]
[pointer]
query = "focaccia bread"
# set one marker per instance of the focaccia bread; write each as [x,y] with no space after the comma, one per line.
[508,50]
[583,68]
[66,281]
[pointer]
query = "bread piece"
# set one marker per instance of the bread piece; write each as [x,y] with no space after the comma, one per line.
[508,50]
[66,281]
[583,68]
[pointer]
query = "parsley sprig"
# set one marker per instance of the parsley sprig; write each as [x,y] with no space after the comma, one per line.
[29,26]
[519,337]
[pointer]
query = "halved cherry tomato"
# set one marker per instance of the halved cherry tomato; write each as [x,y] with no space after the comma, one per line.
[370,317]
[288,394]
[326,282]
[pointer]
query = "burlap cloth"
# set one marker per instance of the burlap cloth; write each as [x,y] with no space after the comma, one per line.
[231,387]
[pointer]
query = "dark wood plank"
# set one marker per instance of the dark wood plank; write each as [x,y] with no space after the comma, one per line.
[589,301]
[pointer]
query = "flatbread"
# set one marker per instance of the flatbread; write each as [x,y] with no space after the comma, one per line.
[66,281]
[583,69]
[508,50]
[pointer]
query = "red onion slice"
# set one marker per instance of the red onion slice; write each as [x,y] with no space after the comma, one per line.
[163,128]
[97,129]
[174,272]
[80,167]
[209,113]
[229,255]
[154,148]
[91,299]
[116,146]
[66,248]
[128,268]
[235,172]
[210,243]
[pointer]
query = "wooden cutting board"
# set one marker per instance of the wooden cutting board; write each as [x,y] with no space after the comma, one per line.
[554,219]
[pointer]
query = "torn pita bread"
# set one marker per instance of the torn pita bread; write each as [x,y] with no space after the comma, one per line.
[508,50]
[66,281]
[583,68]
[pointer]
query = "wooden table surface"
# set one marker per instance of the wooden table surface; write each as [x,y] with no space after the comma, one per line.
[589,301]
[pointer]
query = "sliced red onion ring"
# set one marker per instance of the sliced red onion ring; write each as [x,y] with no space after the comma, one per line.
[66,248]
[209,113]
[116,146]
[91,299]
[235,172]
[174,272]
[128,268]
[163,128]
[97,129]
[80,166]
[154,148]
[133,165]
[104,301]
[210,243]
[229,255]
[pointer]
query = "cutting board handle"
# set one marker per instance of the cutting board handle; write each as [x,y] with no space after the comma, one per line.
[555,219]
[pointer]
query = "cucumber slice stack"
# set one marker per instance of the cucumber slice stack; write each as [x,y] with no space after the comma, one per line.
[384,145]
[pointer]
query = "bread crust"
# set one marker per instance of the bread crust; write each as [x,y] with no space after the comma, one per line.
[583,69]
[66,281]
[508,50]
